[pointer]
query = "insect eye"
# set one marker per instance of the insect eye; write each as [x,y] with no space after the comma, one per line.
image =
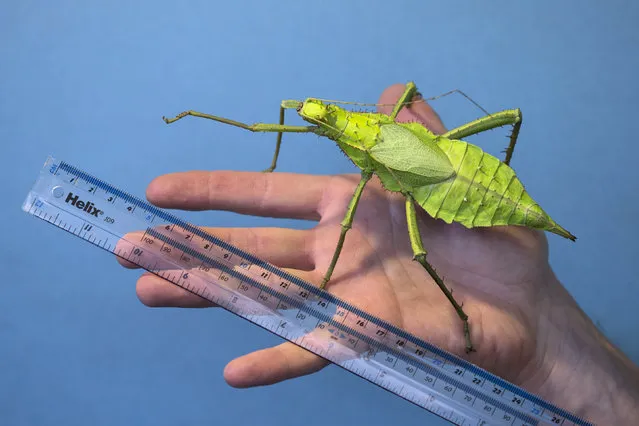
[313,110]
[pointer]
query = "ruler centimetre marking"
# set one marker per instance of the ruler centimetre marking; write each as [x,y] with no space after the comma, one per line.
[277,301]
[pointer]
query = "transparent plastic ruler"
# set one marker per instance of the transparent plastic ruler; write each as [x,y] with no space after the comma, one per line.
[283,304]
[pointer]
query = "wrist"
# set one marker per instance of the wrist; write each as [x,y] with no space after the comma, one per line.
[582,371]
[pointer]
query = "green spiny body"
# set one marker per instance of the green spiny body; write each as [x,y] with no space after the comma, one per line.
[451,179]
[484,192]
[481,190]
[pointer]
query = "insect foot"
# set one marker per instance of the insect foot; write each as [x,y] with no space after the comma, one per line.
[421,258]
[177,117]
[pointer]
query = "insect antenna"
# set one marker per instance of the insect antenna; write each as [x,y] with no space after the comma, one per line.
[460,93]
[363,104]
[418,95]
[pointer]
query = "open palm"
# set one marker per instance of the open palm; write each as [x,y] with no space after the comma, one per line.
[499,274]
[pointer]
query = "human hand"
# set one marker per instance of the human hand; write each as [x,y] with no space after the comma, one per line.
[516,306]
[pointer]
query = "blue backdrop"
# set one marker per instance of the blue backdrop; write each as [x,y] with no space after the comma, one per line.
[89,81]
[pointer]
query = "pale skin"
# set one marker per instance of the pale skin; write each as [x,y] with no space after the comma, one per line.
[525,326]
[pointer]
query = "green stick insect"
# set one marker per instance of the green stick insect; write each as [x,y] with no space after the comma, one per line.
[450,179]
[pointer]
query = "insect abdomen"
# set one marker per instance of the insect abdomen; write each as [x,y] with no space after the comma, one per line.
[484,192]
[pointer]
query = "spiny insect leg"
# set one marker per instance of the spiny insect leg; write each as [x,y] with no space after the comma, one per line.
[513,140]
[257,127]
[406,97]
[347,223]
[277,145]
[503,118]
[419,254]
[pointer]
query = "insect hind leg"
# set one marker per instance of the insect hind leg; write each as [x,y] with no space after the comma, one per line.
[503,118]
[513,140]
[513,117]
[419,254]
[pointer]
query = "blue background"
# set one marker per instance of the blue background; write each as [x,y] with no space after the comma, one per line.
[89,81]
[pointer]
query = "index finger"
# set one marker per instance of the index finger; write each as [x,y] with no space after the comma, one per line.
[281,195]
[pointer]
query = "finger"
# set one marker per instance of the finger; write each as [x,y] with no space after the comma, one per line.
[418,111]
[272,365]
[126,263]
[284,195]
[286,248]
[156,292]
[137,248]
[282,247]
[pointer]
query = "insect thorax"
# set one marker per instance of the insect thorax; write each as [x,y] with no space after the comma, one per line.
[354,132]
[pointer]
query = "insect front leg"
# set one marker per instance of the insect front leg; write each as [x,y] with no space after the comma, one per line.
[503,118]
[346,224]
[419,254]
[277,145]
[257,127]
